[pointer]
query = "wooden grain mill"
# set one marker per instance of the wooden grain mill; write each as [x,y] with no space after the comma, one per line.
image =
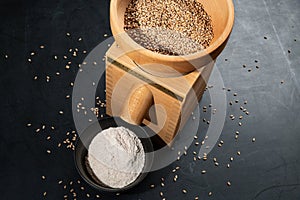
[157,90]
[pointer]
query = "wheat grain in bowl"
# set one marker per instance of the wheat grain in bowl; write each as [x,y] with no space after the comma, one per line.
[171,27]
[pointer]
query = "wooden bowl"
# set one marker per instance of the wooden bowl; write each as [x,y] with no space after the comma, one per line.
[222,15]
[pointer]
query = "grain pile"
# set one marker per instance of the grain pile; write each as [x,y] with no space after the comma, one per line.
[171,27]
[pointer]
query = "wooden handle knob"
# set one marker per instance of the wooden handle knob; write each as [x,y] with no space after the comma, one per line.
[138,104]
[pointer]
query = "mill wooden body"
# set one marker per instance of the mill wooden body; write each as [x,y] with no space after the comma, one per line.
[162,103]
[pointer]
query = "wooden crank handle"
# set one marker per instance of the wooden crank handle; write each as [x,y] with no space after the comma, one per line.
[137,105]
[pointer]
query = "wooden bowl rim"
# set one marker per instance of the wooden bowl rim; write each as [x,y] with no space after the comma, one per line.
[157,56]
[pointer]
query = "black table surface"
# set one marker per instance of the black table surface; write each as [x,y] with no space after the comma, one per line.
[266,34]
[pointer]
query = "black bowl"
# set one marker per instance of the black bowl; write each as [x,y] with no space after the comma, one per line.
[81,152]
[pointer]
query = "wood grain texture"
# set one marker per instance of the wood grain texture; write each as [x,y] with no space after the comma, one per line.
[170,99]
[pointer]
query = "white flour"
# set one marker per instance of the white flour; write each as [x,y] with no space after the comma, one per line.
[116,156]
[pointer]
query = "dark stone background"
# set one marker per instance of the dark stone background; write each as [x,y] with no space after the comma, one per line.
[266,169]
